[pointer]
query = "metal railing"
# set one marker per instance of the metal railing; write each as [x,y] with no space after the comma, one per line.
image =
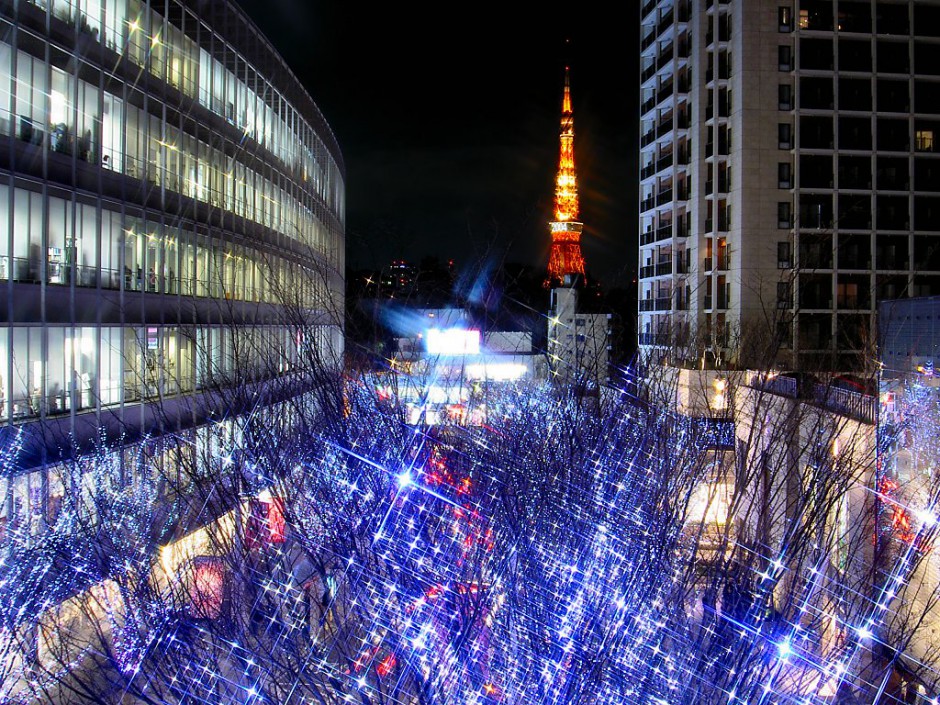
[20,269]
[855,405]
[846,402]
[775,384]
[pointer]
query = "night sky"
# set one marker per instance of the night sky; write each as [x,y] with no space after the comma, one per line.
[448,119]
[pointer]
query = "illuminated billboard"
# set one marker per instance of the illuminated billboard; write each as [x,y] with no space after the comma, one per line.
[452,341]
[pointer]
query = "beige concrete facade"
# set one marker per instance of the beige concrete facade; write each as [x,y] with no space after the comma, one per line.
[788,161]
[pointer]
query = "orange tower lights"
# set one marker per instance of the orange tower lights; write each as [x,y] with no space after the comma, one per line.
[565,259]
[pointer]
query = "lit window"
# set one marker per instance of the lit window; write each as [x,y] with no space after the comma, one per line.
[719,400]
[804,19]
[785,18]
[923,139]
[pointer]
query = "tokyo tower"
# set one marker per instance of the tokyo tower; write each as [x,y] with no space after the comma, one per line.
[565,263]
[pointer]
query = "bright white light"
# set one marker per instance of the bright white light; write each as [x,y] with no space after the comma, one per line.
[499,371]
[58,108]
[404,479]
[453,341]
[864,633]
[784,649]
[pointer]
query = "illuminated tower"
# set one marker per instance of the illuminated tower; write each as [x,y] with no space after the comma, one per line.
[565,263]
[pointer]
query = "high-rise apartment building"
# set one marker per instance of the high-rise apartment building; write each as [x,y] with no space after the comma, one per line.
[171,221]
[790,174]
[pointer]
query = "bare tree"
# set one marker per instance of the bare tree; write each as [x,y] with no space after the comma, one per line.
[309,546]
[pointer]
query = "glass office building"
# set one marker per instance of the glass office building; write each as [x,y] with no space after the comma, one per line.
[167,190]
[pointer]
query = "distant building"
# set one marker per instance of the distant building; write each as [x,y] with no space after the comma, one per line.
[445,366]
[578,343]
[398,278]
[428,283]
[910,337]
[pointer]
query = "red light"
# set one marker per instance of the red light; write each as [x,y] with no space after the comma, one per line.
[276,521]
[208,587]
[386,665]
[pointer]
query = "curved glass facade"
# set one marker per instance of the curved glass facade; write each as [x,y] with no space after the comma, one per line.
[166,187]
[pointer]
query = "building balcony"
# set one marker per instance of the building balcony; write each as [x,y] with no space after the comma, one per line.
[775,384]
[814,303]
[721,263]
[853,303]
[855,263]
[662,303]
[655,270]
[684,13]
[665,57]
[653,339]
[665,22]
[650,236]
